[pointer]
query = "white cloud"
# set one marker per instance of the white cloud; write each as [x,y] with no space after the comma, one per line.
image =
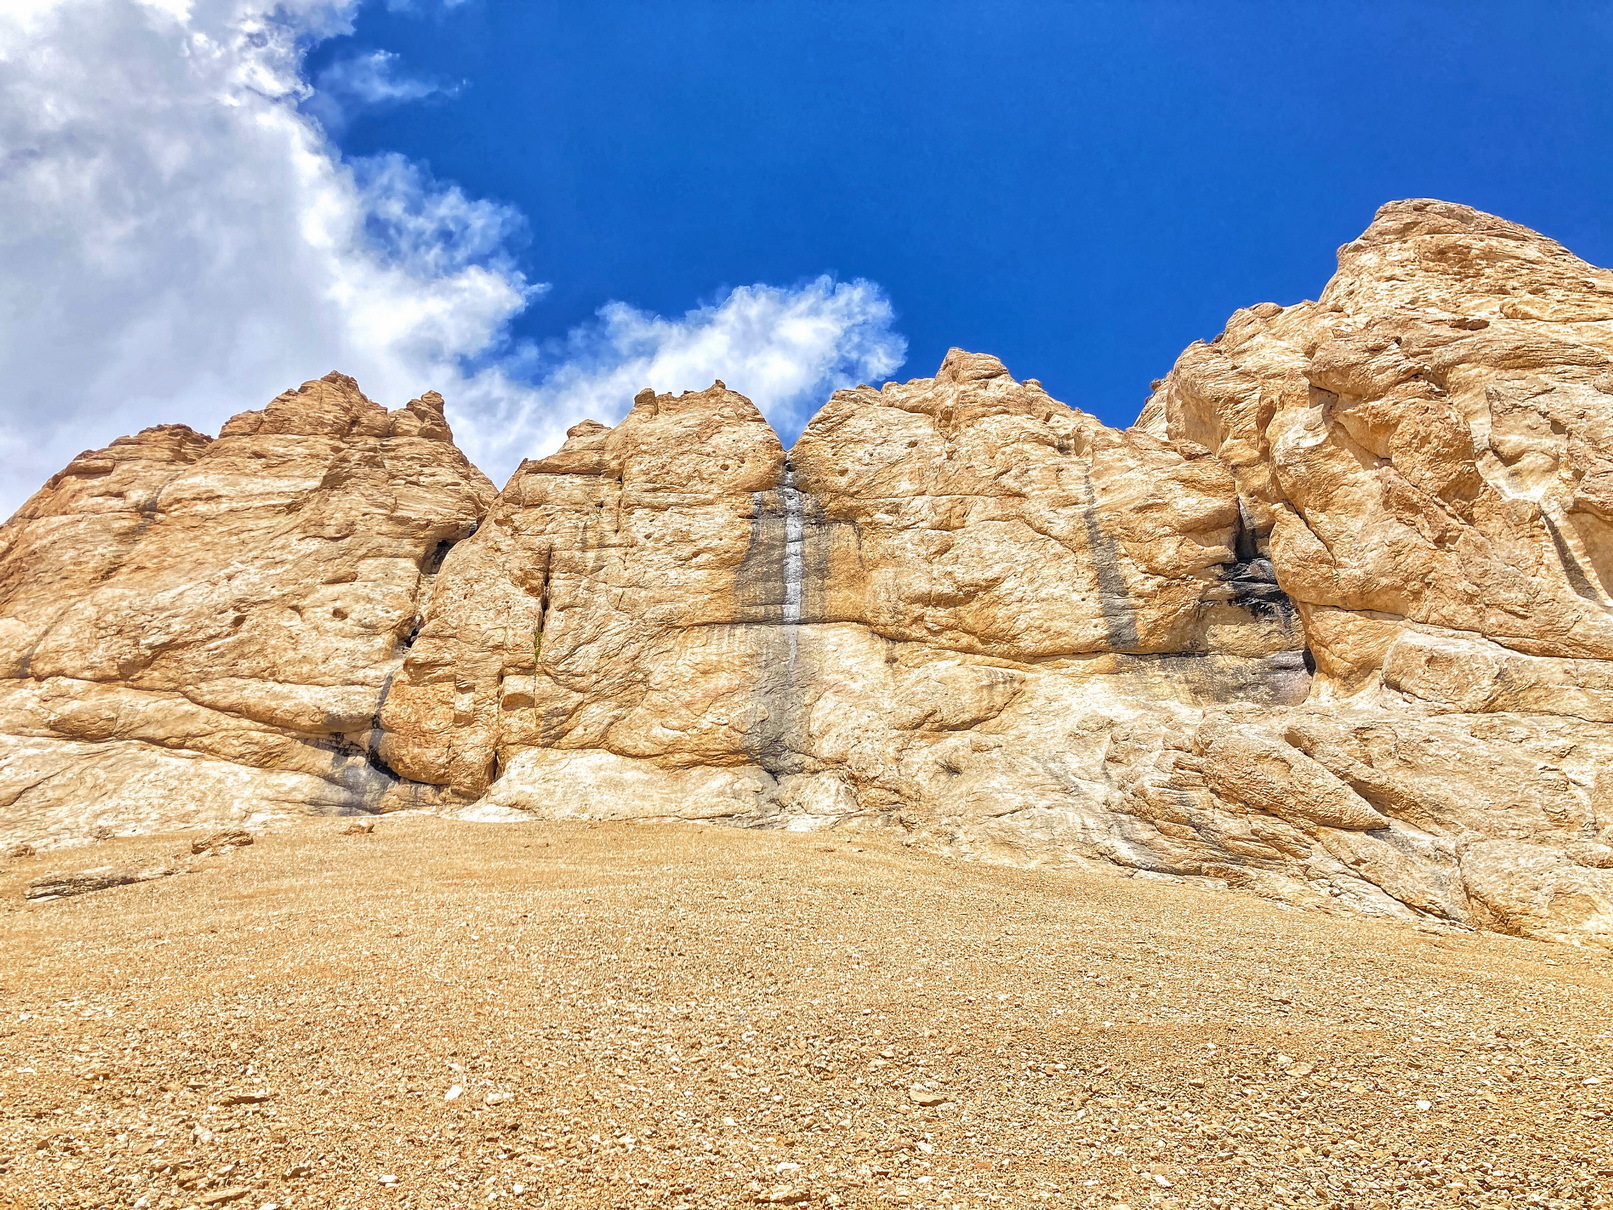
[787,349]
[373,79]
[178,242]
[366,81]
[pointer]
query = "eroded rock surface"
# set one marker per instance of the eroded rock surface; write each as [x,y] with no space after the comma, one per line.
[1332,622]
[198,631]
[1425,451]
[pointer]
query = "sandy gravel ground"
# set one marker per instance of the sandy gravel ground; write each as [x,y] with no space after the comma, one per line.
[442,1014]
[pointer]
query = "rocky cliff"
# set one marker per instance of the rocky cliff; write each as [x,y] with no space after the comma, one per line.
[200,629]
[1331,622]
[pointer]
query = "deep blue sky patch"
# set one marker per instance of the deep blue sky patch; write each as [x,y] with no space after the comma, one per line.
[1081,189]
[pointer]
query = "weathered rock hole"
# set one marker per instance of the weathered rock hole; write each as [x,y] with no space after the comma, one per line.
[432,563]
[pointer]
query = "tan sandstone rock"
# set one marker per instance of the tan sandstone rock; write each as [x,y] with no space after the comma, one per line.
[1430,441]
[616,612]
[957,607]
[199,631]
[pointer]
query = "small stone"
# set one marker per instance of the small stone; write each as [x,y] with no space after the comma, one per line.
[389,1180]
[1425,1104]
[222,1196]
[454,1093]
[783,1195]
[230,838]
[244,1098]
[83,882]
[359,829]
[20,850]
[926,1096]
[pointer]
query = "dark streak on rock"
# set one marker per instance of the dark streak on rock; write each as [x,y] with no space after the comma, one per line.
[1577,579]
[1119,615]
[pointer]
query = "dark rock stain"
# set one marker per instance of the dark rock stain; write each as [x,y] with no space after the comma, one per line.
[1114,599]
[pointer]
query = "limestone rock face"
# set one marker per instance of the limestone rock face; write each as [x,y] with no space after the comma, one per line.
[668,619]
[1333,622]
[1425,451]
[199,630]
[620,606]
[975,513]
[1429,444]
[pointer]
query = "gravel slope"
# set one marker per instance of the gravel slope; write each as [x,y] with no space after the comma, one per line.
[677,1016]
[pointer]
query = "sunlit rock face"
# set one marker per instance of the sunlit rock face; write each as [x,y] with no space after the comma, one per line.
[1331,622]
[1426,453]
[197,630]
[604,643]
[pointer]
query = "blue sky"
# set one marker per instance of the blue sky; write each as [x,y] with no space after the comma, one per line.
[539,207]
[1079,188]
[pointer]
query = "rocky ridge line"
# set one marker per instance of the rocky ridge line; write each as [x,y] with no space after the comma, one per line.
[1332,622]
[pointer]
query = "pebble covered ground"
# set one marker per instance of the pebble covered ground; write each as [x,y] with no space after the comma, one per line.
[437,1014]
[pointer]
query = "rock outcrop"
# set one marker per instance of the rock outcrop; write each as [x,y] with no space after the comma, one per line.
[1332,622]
[198,631]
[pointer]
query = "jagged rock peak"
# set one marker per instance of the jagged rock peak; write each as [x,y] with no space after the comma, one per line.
[960,366]
[711,440]
[335,406]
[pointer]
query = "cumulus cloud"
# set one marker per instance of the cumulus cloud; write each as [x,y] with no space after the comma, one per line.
[786,349]
[179,241]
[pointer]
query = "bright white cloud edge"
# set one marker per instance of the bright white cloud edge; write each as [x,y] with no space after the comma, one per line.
[179,242]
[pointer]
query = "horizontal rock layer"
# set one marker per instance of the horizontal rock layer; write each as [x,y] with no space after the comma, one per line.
[1332,622]
[201,630]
